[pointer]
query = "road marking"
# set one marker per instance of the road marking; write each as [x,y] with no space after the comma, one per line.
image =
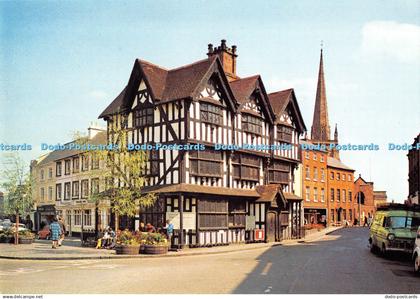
[268,290]
[266,269]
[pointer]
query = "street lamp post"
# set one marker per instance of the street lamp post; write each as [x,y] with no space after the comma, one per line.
[359,199]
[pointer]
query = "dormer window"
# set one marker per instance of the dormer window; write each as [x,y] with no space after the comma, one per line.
[284,133]
[143,116]
[210,113]
[251,124]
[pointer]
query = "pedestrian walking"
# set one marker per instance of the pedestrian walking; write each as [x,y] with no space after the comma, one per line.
[55,232]
[169,230]
[63,230]
[366,222]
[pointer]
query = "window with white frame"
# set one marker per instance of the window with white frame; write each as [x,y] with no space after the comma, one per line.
[315,194]
[322,174]
[307,193]
[315,174]
[322,195]
[41,194]
[315,157]
[307,173]
[67,191]
[50,193]
[75,189]
[85,188]
[87,218]
[344,195]
[58,192]
[77,217]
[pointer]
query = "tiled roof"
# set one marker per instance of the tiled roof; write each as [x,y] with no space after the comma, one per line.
[116,104]
[99,138]
[182,82]
[335,163]
[242,88]
[166,84]
[279,100]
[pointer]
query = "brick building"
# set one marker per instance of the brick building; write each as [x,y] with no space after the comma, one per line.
[363,192]
[314,182]
[340,192]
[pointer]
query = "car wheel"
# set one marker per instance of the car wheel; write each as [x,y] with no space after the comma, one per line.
[417,264]
[373,248]
[384,253]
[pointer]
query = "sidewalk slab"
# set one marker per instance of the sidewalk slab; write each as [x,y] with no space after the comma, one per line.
[72,250]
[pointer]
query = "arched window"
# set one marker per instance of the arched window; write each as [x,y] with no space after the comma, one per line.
[361,197]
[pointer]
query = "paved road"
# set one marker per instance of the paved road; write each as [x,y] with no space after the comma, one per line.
[337,263]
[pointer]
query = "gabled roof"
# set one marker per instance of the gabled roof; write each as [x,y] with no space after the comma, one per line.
[245,87]
[335,163]
[270,193]
[280,100]
[164,85]
[116,104]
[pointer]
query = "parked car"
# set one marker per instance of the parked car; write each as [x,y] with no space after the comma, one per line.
[394,229]
[416,253]
[44,233]
[21,227]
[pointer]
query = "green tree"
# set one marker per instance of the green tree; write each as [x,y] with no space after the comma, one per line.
[17,183]
[124,175]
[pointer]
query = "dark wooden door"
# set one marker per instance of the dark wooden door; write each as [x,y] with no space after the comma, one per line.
[271,226]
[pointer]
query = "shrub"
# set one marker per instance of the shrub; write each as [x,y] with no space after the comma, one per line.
[156,239]
[127,238]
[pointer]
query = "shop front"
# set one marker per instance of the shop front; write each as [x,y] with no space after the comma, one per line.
[43,216]
[315,217]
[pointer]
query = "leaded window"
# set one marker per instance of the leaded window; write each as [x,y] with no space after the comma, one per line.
[154,162]
[210,113]
[206,163]
[284,133]
[246,167]
[251,124]
[143,116]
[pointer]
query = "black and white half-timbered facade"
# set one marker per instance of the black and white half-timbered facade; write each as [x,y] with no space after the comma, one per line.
[230,176]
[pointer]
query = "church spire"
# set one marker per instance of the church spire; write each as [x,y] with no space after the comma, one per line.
[320,130]
[336,133]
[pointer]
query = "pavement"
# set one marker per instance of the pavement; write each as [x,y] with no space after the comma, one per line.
[72,249]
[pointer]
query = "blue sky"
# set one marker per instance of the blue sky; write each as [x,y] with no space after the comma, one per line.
[62,63]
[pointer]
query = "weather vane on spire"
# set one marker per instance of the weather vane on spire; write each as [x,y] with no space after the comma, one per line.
[322,44]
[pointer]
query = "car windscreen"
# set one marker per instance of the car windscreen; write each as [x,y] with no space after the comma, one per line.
[403,222]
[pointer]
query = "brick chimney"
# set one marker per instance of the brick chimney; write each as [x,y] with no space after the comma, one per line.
[227,56]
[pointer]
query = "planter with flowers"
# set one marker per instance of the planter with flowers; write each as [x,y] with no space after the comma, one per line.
[127,243]
[156,243]
[26,237]
[6,236]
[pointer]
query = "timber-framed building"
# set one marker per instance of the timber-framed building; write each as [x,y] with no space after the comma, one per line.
[214,196]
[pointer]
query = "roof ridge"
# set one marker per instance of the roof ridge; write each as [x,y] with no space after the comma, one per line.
[246,78]
[191,64]
[289,89]
[152,64]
